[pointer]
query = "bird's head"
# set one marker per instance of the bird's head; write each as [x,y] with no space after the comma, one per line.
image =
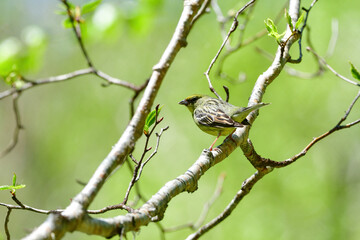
[192,101]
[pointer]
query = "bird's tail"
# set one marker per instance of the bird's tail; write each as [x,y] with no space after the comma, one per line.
[243,112]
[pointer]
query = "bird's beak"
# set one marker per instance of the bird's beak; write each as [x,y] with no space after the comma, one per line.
[184,102]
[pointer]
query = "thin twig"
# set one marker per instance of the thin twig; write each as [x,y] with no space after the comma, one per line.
[201,11]
[320,68]
[227,93]
[291,71]
[32,209]
[6,224]
[142,165]
[47,212]
[322,60]
[29,84]
[64,77]
[112,207]
[139,195]
[17,128]
[17,200]
[242,43]
[301,31]
[77,31]
[116,81]
[233,27]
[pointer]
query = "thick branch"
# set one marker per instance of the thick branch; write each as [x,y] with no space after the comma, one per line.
[74,216]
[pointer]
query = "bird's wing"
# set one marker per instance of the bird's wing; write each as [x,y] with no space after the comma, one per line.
[215,119]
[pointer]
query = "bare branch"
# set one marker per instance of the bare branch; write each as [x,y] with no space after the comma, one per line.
[232,29]
[142,165]
[17,128]
[242,43]
[47,212]
[110,208]
[75,23]
[322,60]
[139,195]
[227,93]
[7,219]
[32,209]
[29,84]
[301,31]
[203,9]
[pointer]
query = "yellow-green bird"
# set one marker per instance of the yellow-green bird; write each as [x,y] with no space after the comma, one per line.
[217,117]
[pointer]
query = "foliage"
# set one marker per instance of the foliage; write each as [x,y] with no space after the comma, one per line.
[12,187]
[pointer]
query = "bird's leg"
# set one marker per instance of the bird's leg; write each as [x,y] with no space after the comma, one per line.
[214,142]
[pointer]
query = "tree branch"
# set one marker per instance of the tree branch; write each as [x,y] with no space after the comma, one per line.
[154,208]
[75,24]
[322,60]
[74,217]
[6,224]
[18,126]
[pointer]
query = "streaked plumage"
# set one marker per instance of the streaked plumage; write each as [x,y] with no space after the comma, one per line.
[217,117]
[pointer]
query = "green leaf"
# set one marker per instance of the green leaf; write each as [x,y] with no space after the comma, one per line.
[288,19]
[7,187]
[270,26]
[355,73]
[13,187]
[90,6]
[300,20]
[14,180]
[18,186]
[150,120]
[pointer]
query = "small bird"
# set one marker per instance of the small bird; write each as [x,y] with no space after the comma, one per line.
[217,117]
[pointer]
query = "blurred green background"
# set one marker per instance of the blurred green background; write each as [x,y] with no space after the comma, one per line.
[71,126]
